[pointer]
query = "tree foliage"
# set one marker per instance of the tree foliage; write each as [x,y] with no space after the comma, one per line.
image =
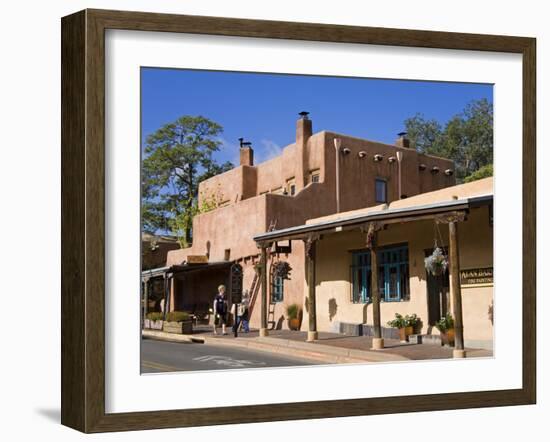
[467,138]
[177,157]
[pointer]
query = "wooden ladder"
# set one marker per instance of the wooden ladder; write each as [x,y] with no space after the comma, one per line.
[253,293]
[271,316]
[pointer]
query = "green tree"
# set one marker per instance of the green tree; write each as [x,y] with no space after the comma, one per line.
[467,138]
[178,156]
[482,172]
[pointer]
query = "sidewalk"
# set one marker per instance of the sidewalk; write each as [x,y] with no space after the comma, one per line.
[331,348]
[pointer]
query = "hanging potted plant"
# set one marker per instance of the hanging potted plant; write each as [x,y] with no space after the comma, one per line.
[399,323]
[282,269]
[436,264]
[446,327]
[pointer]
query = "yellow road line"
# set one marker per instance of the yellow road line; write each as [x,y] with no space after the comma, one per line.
[157,366]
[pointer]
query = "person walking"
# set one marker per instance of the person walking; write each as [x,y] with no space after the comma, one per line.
[241,313]
[220,310]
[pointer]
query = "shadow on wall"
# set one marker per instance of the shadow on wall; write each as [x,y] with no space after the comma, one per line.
[279,324]
[332,308]
[365,309]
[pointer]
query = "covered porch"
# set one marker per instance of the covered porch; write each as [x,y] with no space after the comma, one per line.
[186,287]
[447,211]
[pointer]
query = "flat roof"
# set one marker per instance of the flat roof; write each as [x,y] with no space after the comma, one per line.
[179,268]
[460,197]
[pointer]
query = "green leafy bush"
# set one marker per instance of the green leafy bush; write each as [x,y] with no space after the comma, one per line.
[177,316]
[293,311]
[154,316]
[445,323]
[411,320]
[398,322]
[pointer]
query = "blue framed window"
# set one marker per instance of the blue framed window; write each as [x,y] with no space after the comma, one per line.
[393,274]
[277,289]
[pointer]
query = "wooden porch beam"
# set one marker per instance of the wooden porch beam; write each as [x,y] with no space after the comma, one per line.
[263,282]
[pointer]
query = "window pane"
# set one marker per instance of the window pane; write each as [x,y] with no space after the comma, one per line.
[382,282]
[404,281]
[393,289]
[380,191]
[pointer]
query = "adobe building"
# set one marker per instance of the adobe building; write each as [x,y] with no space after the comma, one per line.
[320,175]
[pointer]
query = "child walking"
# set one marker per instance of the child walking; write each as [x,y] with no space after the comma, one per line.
[220,310]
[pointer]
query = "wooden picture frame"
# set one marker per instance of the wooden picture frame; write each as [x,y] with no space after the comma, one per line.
[83,216]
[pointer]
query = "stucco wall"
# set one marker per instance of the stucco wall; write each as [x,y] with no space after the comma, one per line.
[231,227]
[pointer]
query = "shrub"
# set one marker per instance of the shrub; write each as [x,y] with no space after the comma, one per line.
[445,323]
[398,322]
[155,316]
[177,316]
[293,311]
[411,320]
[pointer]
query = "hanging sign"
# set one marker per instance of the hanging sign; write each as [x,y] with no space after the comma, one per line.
[482,275]
[197,259]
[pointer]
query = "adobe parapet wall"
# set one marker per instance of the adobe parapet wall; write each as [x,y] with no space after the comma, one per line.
[228,228]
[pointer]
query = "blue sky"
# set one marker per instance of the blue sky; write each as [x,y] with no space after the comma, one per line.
[263,108]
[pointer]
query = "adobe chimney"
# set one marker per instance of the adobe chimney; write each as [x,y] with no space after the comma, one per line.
[246,153]
[403,140]
[304,130]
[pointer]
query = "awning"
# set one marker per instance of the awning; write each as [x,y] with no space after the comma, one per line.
[403,214]
[181,268]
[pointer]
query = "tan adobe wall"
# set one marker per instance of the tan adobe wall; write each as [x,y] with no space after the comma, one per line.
[293,288]
[231,227]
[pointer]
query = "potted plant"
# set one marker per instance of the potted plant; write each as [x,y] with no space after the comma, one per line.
[153,320]
[178,322]
[446,327]
[411,323]
[400,323]
[282,269]
[294,316]
[437,262]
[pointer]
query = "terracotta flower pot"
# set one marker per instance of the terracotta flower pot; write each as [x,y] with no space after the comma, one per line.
[294,323]
[403,334]
[409,330]
[448,337]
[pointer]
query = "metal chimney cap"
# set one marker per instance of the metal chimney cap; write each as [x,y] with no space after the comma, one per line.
[401,134]
[304,115]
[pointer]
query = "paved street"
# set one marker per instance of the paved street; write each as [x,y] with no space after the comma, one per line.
[159,356]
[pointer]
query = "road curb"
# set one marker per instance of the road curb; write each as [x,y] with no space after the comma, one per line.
[306,350]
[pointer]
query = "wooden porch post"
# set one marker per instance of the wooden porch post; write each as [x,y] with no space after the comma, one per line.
[172,285]
[145,299]
[263,276]
[312,334]
[456,293]
[166,297]
[372,240]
